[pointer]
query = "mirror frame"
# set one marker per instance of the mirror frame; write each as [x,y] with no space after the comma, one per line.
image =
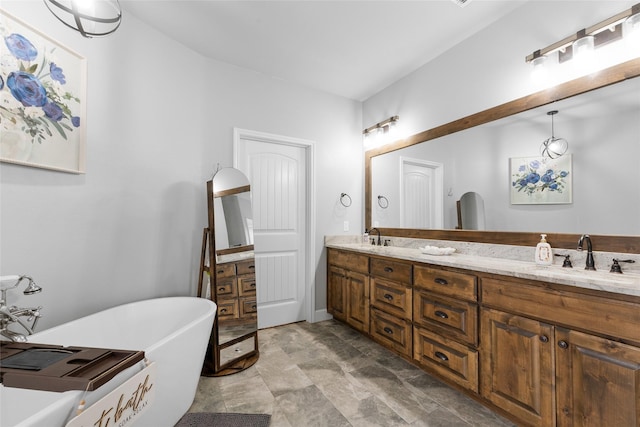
[607,243]
[215,368]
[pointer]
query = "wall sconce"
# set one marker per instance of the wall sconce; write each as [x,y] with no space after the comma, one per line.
[581,46]
[91,18]
[381,131]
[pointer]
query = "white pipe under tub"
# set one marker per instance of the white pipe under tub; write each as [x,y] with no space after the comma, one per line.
[173,332]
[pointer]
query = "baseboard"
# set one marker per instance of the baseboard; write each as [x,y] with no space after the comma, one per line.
[321,315]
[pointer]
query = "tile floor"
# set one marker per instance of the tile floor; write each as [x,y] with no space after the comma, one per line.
[326,374]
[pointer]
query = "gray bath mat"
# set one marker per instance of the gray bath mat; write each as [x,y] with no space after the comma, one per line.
[206,419]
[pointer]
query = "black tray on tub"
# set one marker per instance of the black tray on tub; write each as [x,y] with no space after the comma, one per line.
[56,368]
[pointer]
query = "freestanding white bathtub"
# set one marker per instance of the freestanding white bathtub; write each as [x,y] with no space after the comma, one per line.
[173,332]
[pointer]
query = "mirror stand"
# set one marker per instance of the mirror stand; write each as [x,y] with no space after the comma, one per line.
[227,275]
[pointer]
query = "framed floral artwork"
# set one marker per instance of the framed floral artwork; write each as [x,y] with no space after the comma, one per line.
[540,180]
[42,100]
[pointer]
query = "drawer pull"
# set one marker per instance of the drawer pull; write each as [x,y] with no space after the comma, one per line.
[388,330]
[223,310]
[388,270]
[442,314]
[563,344]
[220,289]
[252,267]
[252,284]
[220,271]
[544,338]
[253,307]
[388,297]
[442,356]
[440,281]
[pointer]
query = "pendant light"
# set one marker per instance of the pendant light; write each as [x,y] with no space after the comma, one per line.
[554,147]
[91,18]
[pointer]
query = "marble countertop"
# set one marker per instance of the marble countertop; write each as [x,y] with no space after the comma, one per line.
[235,257]
[627,283]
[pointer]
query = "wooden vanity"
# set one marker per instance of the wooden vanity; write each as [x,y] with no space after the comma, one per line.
[539,353]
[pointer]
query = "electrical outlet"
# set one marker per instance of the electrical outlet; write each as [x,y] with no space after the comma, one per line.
[345,226]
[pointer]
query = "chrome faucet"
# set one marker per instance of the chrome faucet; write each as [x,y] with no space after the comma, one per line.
[590,265]
[379,242]
[13,314]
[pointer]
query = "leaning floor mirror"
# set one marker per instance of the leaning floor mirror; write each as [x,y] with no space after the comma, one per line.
[228,274]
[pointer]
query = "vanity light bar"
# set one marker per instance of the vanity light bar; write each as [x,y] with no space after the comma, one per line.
[385,123]
[614,24]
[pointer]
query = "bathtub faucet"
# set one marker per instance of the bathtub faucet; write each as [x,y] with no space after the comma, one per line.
[13,314]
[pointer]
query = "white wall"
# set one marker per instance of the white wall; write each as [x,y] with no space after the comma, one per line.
[487,69]
[160,117]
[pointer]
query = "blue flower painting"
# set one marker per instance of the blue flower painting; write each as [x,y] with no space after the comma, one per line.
[540,180]
[42,93]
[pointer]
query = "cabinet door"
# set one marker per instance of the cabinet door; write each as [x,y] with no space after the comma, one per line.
[337,293]
[517,366]
[598,381]
[357,288]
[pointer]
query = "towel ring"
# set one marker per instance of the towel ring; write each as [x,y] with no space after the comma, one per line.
[343,197]
[383,202]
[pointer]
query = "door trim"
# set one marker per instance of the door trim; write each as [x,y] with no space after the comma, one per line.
[310,189]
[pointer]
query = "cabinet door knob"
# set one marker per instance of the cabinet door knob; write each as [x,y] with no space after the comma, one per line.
[440,281]
[388,297]
[441,314]
[563,344]
[441,356]
[388,330]
[544,338]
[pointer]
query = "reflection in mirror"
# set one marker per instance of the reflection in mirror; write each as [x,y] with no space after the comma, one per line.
[234,343]
[234,225]
[602,128]
[471,212]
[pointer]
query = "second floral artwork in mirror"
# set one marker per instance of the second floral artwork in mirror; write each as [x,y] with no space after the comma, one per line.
[540,180]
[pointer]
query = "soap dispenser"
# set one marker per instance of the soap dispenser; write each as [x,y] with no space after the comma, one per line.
[544,256]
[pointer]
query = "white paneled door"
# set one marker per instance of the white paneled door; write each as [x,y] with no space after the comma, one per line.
[421,194]
[277,172]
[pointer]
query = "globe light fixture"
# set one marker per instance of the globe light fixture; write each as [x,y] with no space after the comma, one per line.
[91,18]
[554,147]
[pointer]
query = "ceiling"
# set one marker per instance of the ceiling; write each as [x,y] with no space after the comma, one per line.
[350,48]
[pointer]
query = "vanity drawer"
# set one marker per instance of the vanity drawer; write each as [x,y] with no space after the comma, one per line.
[450,283]
[247,285]
[350,260]
[391,332]
[245,267]
[227,309]
[248,307]
[393,270]
[448,358]
[226,287]
[596,314]
[394,298]
[446,316]
[225,270]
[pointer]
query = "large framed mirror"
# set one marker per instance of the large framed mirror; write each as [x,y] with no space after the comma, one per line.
[230,269]
[601,112]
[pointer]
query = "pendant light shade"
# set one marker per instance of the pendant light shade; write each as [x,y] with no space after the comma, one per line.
[554,147]
[91,18]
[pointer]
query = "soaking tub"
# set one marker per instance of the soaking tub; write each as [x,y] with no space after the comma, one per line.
[173,332]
